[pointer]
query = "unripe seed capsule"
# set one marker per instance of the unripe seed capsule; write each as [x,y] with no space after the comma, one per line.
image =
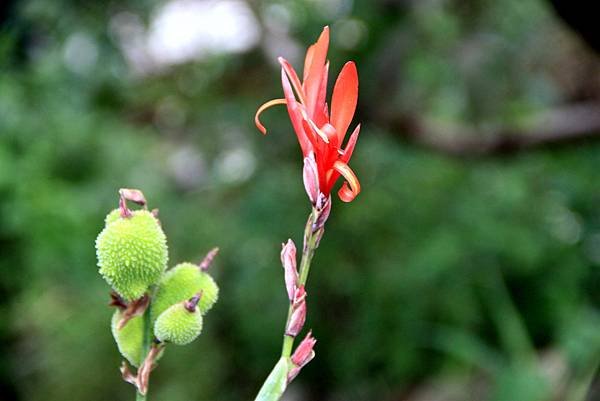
[129,338]
[181,283]
[112,217]
[180,324]
[132,253]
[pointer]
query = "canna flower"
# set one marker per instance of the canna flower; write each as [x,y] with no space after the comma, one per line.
[320,133]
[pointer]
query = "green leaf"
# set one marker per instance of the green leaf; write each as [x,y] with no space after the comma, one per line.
[275,385]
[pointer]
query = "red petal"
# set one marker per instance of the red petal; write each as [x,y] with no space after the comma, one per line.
[333,145]
[308,61]
[295,112]
[320,147]
[343,101]
[346,194]
[329,131]
[312,82]
[345,156]
[312,137]
[350,145]
[321,112]
[293,78]
[319,132]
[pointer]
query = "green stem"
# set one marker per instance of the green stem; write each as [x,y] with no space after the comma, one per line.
[288,344]
[146,345]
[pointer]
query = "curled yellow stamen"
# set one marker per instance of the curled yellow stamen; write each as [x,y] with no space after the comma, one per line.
[351,187]
[262,108]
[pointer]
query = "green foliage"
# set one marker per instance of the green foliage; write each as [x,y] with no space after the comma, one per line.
[132,253]
[181,283]
[178,325]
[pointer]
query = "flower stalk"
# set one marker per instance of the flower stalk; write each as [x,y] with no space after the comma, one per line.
[146,346]
[321,135]
[312,236]
[149,353]
[288,366]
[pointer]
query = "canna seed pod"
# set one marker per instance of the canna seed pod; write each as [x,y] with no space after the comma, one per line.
[132,253]
[129,338]
[180,324]
[181,283]
[112,217]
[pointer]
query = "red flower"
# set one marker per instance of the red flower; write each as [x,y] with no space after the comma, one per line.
[320,134]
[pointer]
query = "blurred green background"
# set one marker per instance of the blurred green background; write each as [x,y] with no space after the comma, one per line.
[467,269]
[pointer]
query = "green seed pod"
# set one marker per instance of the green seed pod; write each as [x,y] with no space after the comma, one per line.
[132,253]
[181,283]
[112,217]
[179,324]
[129,338]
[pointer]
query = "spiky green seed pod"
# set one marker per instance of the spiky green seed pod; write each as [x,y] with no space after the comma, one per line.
[181,283]
[112,217]
[178,324]
[132,253]
[129,338]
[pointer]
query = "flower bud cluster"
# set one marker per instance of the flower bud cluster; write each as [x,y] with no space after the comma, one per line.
[297,296]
